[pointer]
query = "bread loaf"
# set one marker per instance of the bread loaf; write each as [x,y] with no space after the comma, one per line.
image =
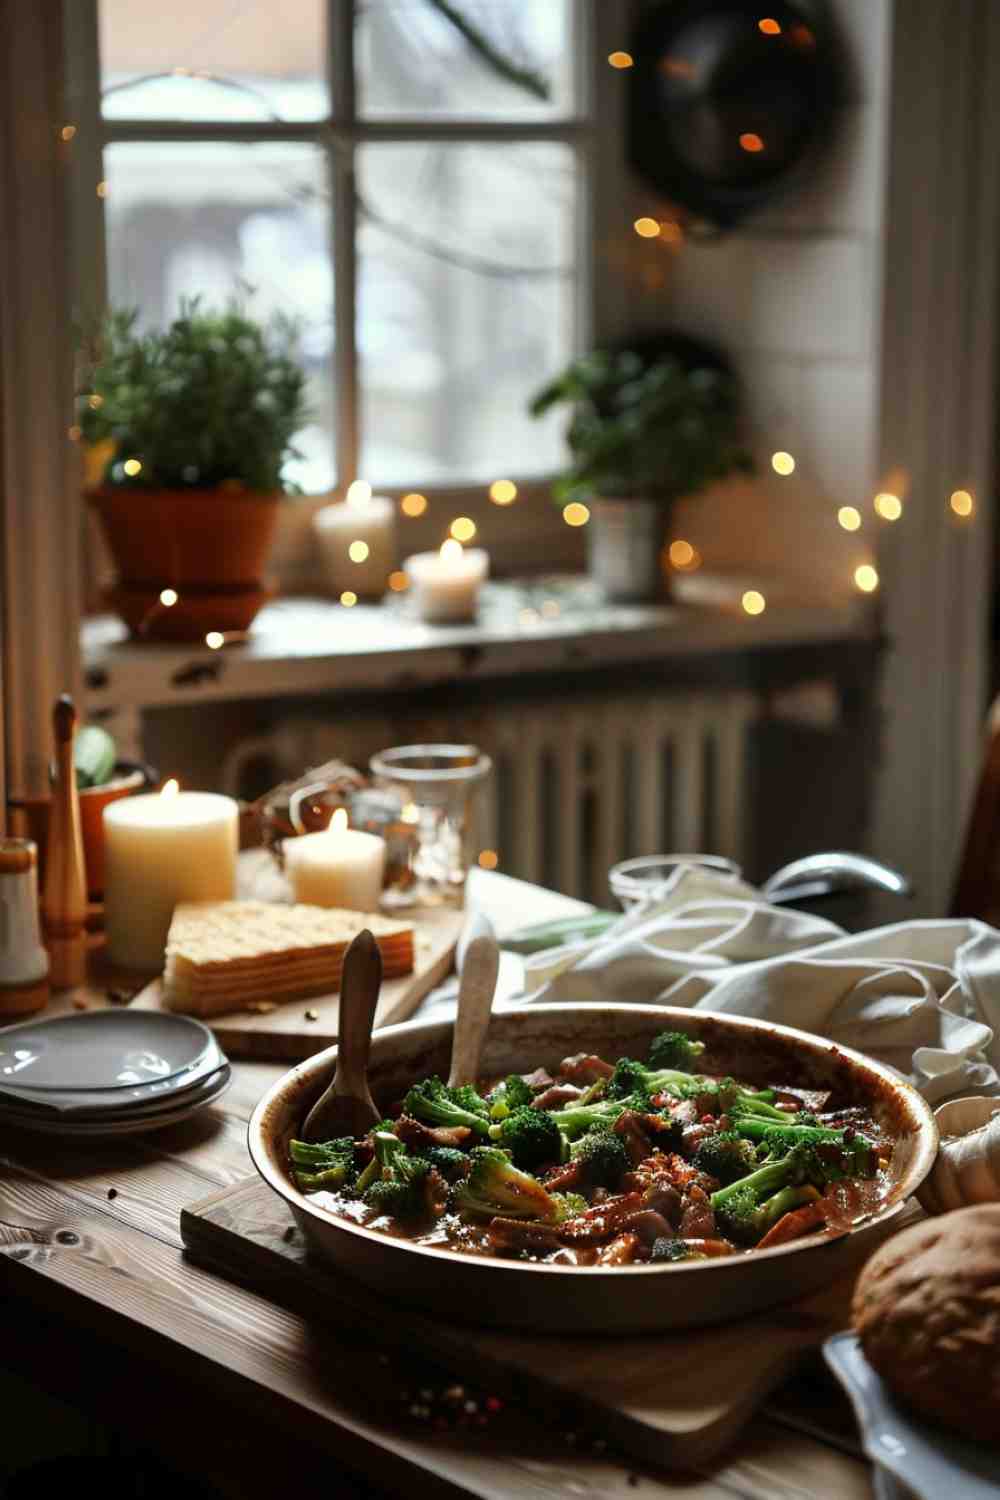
[927,1310]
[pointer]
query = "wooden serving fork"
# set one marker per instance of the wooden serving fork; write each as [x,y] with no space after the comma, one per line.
[347,1107]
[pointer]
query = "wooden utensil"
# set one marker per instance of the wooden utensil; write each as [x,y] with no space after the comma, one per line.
[479,968]
[347,1107]
[64,897]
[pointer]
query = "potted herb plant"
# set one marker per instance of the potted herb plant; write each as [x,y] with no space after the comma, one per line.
[652,422]
[189,428]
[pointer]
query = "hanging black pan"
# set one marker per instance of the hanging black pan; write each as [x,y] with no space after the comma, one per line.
[728,98]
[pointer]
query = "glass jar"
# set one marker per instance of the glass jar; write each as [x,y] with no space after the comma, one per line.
[635,880]
[436,786]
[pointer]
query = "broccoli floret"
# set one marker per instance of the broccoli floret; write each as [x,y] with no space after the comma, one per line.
[603,1158]
[400,1182]
[568,1205]
[531,1136]
[510,1094]
[435,1104]
[664,1249]
[630,1078]
[448,1160]
[746,1209]
[495,1186]
[386,1146]
[672,1049]
[322,1164]
[725,1156]
[575,1119]
[857,1154]
[746,1219]
[638,1082]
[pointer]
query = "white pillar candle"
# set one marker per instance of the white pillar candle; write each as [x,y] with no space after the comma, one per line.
[158,850]
[340,867]
[445,585]
[357,539]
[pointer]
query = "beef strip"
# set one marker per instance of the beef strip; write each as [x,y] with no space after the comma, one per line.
[697,1215]
[601,1221]
[415,1133]
[513,1235]
[584,1068]
[564,1179]
[649,1226]
[538,1080]
[556,1096]
[620,1252]
[637,1143]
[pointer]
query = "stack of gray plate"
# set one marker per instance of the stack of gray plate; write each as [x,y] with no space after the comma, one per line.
[108,1072]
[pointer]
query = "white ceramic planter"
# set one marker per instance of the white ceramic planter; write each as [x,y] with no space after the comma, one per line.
[624,542]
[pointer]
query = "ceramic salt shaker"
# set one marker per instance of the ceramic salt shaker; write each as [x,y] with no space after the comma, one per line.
[24,963]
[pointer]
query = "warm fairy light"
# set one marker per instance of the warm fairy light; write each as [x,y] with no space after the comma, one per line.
[681,554]
[753,602]
[358,551]
[888,506]
[647,228]
[769,26]
[463,529]
[849,517]
[215,640]
[620,59]
[132,467]
[488,859]
[95,402]
[751,141]
[413,505]
[783,463]
[102,190]
[503,491]
[451,550]
[338,823]
[359,493]
[961,503]
[168,598]
[348,598]
[170,788]
[68,132]
[398,582]
[575,514]
[74,433]
[410,813]
[866,578]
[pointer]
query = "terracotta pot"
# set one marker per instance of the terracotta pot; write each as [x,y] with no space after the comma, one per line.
[34,814]
[210,546]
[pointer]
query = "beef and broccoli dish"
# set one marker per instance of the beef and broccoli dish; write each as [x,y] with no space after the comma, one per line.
[605,1164]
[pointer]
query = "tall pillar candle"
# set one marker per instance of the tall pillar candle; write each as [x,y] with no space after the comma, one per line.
[357,539]
[159,850]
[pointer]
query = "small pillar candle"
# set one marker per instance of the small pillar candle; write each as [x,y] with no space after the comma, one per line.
[159,850]
[358,541]
[339,867]
[444,585]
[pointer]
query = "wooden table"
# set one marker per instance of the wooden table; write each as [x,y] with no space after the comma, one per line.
[101,1310]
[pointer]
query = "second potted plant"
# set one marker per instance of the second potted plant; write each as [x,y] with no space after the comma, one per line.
[652,422]
[191,427]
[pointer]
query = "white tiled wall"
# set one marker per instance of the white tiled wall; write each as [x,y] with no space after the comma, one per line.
[793,296]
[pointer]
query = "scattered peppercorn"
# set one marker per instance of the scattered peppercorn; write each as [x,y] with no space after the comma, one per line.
[112,1192]
[312,1015]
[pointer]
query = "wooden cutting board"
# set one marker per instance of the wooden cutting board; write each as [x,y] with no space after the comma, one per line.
[286,1034]
[673,1399]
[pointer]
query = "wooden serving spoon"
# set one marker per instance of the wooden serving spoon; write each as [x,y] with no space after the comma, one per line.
[478,982]
[347,1107]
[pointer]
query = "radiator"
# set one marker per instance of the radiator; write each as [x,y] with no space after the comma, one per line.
[577,784]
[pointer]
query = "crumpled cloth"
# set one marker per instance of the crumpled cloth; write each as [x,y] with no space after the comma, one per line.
[922,996]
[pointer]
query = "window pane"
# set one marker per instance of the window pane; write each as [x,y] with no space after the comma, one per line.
[466,296]
[186,219]
[412,59]
[272,63]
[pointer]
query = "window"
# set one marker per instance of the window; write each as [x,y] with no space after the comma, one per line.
[408,177]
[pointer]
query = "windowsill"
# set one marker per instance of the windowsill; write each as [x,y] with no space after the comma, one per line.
[299,646]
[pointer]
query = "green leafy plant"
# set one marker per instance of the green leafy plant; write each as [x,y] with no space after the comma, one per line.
[645,429]
[214,400]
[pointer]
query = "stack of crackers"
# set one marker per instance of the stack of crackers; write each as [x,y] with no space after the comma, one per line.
[238,955]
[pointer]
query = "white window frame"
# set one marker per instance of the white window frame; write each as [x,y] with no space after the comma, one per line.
[599,26]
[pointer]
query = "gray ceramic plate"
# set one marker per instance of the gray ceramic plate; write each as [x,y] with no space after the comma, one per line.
[101,1049]
[927,1460]
[86,1104]
[128,1123]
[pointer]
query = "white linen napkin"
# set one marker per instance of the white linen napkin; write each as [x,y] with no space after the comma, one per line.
[922,996]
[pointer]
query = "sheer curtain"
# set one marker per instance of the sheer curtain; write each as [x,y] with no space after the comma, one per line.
[39,487]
